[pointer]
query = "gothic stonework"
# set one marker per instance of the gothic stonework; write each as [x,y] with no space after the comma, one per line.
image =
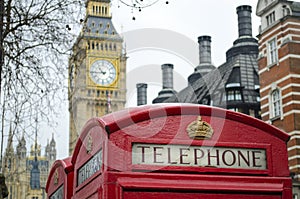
[26,175]
[97,69]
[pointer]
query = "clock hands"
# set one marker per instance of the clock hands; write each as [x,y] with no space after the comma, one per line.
[102,72]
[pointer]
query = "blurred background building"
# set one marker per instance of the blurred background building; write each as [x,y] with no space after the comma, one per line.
[26,175]
[234,85]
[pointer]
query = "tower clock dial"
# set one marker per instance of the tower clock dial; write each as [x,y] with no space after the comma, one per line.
[103,72]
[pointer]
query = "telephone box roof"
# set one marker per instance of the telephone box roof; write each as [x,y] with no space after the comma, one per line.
[121,119]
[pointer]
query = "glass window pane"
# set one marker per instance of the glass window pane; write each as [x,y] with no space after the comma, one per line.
[230,95]
[276,103]
[272,51]
[238,95]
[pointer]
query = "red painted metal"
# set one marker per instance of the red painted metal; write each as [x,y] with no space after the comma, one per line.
[112,138]
[61,176]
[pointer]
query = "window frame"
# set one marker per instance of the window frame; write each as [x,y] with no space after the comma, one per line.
[272,51]
[271,18]
[275,104]
[234,95]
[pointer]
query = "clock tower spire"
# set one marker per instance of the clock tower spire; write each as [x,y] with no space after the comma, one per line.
[99,8]
[97,69]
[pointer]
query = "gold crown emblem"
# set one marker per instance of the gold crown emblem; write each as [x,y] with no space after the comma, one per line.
[199,129]
[56,177]
[89,144]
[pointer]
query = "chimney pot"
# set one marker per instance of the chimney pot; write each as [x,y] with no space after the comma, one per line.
[141,93]
[204,49]
[167,75]
[244,20]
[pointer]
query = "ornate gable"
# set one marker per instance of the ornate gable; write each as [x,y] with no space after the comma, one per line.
[264,5]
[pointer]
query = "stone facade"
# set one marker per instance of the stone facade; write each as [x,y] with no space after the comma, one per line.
[94,92]
[23,182]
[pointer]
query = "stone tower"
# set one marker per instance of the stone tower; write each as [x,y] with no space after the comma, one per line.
[97,69]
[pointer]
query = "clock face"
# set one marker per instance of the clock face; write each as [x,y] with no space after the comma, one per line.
[103,72]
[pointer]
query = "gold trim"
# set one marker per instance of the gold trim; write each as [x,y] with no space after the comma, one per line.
[114,85]
[56,177]
[89,144]
[199,129]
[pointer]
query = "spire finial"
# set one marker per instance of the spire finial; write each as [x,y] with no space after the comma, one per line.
[36,126]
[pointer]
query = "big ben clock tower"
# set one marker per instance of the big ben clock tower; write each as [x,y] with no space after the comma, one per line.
[97,69]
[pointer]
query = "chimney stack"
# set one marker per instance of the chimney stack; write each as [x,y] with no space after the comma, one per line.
[167,87]
[141,94]
[205,66]
[245,43]
[167,76]
[204,49]
[244,20]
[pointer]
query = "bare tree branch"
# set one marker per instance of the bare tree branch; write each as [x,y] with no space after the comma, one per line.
[35,46]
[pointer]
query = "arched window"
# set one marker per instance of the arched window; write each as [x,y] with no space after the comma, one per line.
[275,103]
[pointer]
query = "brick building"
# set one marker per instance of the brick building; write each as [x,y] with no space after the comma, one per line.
[279,71]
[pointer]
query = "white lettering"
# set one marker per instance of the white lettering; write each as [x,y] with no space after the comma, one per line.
[89,168]
[58,194]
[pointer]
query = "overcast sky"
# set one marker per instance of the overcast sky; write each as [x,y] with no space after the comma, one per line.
[183,21]
[174,29]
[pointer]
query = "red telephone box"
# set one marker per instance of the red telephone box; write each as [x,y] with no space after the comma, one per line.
[180,151]
[60,180]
